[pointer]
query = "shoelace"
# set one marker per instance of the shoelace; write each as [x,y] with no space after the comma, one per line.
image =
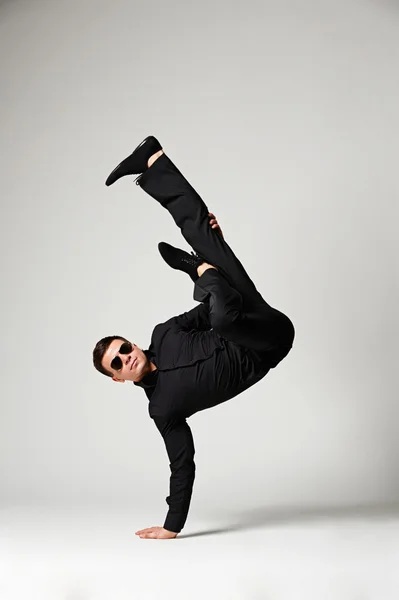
[193,259]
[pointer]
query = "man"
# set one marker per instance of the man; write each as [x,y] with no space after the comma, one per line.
[202,357]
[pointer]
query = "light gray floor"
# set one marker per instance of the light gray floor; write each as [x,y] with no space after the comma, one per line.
[340,554]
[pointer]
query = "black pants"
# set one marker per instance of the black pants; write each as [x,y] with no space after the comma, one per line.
[259,326]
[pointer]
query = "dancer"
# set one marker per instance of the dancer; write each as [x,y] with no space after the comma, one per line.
[205,356]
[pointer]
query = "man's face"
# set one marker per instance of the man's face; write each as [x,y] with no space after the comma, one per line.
[134,365]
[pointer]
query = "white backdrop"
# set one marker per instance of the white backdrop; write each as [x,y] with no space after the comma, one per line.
[283,115]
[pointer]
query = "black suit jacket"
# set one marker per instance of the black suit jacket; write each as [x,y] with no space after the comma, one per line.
[196,369]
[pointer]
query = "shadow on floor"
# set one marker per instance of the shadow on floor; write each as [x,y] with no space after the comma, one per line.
[274,517]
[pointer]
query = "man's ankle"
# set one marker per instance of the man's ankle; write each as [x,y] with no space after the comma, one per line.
[204,267]
[154,157]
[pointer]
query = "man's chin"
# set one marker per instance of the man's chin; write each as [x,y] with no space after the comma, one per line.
[137,378]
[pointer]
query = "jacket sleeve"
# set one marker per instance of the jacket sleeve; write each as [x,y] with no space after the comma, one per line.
[180,448]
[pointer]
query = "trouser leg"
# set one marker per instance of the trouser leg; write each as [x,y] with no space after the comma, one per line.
[253,323]
[166,184]
[259,327]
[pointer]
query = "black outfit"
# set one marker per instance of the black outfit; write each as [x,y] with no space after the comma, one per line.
[213,352]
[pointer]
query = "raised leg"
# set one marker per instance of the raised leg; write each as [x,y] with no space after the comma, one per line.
[166,184]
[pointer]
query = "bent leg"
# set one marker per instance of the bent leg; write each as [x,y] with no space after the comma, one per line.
[166,184]
[260,327]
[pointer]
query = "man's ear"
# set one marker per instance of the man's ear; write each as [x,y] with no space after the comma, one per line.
[118,380]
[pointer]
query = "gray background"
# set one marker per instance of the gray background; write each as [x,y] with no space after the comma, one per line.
[283,115]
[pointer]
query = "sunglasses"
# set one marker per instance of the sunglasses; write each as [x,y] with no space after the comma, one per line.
[116,362]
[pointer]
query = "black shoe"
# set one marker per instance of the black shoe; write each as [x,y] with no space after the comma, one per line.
[136,162]
[181,260]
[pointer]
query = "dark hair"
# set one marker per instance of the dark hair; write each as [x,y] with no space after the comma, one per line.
[100,349]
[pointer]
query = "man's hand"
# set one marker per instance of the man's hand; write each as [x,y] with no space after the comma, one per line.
[214,224]
[156,533]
